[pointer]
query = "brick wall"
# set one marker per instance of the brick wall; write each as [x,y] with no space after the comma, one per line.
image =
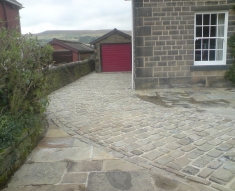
[111,39]
[57,47]
[164,43]
[11,16]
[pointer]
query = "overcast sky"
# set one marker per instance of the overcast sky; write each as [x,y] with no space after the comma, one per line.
[40,15]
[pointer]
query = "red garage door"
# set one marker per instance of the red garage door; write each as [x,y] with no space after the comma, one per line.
[116,57]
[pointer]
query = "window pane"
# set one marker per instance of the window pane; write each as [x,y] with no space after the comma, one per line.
[197,55]
[221,18]
[212,55]
[219,43]
[198,19]
[214,19]
[220,31]
[206,31]
[212,43]
[205,44]
[205,55]
[219,55]
[210,32]
[206,19]
[213,31]
[198,44]
[199,32]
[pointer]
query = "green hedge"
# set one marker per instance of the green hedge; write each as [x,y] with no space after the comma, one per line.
[230,74]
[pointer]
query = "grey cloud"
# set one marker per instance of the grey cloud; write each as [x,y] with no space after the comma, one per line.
[38,16]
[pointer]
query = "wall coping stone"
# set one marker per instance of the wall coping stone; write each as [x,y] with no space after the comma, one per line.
[209,68]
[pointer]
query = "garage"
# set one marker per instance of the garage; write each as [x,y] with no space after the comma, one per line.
[113,52]
[116,57]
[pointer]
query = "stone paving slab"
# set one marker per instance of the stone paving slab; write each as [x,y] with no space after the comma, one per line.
[38,174]
[185,131]
[100,154]
[120,180]
[60,142]
[121,165]
[70,187]
[84,166]
[56,133]
[75,178]
[60,154]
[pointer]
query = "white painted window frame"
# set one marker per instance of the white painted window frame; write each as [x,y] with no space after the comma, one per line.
[223,62]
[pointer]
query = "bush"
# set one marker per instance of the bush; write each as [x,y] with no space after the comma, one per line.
[23,65]
[230,74]
[23,89]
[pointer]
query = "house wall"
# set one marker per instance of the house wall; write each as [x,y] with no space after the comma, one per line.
[84,56]
[111,39]
[164,43]
[75,57]
[2,15]
[58,47]
[12,16]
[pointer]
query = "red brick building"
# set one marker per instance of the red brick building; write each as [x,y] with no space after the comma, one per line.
[9,14]
[70,51]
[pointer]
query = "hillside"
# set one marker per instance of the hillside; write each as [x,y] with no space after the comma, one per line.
[84,36]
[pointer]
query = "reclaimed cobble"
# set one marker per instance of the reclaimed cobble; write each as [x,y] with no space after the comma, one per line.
[103,110]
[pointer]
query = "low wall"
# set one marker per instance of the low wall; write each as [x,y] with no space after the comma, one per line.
[64,74]
[13,157]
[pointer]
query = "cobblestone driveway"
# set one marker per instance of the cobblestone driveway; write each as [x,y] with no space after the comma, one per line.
[103,109]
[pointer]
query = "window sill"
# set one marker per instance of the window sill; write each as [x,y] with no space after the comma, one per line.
[209,67]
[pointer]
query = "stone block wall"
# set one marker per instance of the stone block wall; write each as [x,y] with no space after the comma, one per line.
[13,157]
[64,74]
[164,43]
[109,40]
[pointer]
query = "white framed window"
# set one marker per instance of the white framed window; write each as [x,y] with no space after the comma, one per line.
[210,38]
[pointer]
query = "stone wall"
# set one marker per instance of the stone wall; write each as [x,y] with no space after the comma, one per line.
[164,43]
[109,40]
[11,158]
[64,74]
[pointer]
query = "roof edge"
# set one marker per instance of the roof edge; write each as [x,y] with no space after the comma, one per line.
[15,3]
[55,40]
[60,42]
[114,31]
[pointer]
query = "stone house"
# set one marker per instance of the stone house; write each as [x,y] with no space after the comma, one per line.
[181,42]
[113,52]
[9,14]
[70,51]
